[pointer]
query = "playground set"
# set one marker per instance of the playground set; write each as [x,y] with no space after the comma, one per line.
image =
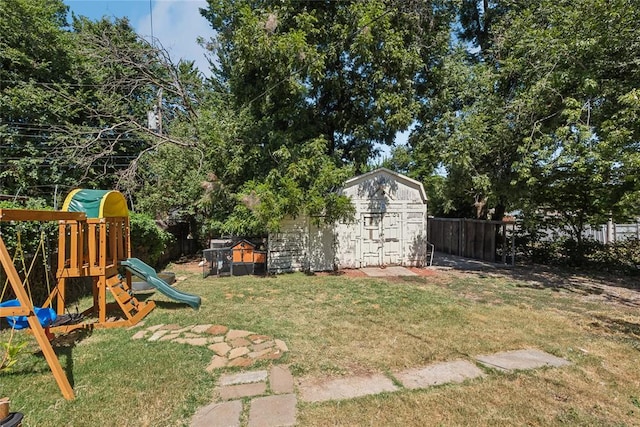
[93,242]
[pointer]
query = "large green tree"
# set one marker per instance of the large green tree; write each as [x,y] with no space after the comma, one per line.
[320,85]
[536,111]
[34,54]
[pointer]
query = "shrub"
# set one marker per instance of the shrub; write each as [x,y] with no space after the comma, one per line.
[148,241]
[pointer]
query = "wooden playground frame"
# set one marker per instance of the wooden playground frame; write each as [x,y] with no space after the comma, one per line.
[87,247]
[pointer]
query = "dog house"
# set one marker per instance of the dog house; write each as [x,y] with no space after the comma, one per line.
[389,228]
[237,259]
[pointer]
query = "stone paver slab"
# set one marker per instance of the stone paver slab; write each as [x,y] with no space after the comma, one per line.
[241,362]
[243,378]
[345,388]
[440,373]
[273,411]
[225,414]
[157,335]
[221,348]
[521,359]
[217,330]
[198,329]
[216,363]
[237,352]
[155,327]
[139,335]
[392,271]
[280,380]
[282,345]
[238,391]
[235,333]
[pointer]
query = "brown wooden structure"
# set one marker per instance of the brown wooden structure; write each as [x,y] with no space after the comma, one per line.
[491,241]
[92,240]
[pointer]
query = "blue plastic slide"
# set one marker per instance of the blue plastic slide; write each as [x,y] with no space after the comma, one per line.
[148,273]
[46,316]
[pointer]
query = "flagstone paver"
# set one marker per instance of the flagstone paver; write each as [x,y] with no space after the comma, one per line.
[238,391]
[224,414]
[235,333]
[157,335]
[139,335]
[217,330]
[345,388]
[273,411]
[217,362]
[276,405]
[243,378]
[440,373]
[198,329]
[521,359]
[280,380]
[391,271]
[221,348]
[232,347]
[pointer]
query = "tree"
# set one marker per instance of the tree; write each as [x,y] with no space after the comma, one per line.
[539,114]
[573,63]
[75,100]
[34,52]
[321,84]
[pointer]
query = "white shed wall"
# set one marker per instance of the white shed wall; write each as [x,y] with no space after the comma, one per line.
[389,228]
[301,245]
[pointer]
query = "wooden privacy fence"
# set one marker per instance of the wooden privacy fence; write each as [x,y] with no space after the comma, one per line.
[492,241]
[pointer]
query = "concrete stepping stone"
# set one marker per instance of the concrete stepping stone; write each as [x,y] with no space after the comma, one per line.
[272,411]
[437,374]
[345,388]
[521,359]
[391,271]
[243,378]
[225,414]
[280,380]
[238,391]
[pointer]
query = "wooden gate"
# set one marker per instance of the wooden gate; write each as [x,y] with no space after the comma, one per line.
[492,241]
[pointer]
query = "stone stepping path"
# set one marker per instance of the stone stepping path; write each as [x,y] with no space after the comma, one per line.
[231,347]
[345,388]
[269,398]
[441,373]
[418,378]
[521,359]
[390,271]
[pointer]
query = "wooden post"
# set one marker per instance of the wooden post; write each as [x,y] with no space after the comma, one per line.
[34,324]
[4,407]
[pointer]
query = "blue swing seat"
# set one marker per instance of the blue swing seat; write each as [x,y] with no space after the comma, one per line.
[46,316]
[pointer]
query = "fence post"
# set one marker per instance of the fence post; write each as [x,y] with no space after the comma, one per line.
[611,234]
[504,243]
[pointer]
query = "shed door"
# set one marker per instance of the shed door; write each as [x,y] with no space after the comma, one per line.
[392,238]
[371,239]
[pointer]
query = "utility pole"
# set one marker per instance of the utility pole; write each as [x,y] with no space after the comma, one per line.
[160,111]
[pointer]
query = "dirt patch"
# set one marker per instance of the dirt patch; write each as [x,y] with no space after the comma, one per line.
[424,271]
[191,266]
[347,272]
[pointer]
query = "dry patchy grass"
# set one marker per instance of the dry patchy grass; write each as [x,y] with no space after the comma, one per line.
[338,325]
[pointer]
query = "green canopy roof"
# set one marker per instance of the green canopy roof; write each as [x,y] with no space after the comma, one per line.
[97,203]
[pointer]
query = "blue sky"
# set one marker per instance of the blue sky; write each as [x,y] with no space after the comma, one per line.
[176,23]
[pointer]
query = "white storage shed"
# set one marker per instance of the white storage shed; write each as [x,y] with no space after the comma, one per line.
[389,228]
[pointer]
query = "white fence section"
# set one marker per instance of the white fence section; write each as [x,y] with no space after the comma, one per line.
[612,232]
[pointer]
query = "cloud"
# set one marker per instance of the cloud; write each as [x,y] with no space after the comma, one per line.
[177,24]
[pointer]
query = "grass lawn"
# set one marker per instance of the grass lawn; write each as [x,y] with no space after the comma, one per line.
[338,326]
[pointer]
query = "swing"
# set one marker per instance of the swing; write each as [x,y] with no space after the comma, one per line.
[46,316]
